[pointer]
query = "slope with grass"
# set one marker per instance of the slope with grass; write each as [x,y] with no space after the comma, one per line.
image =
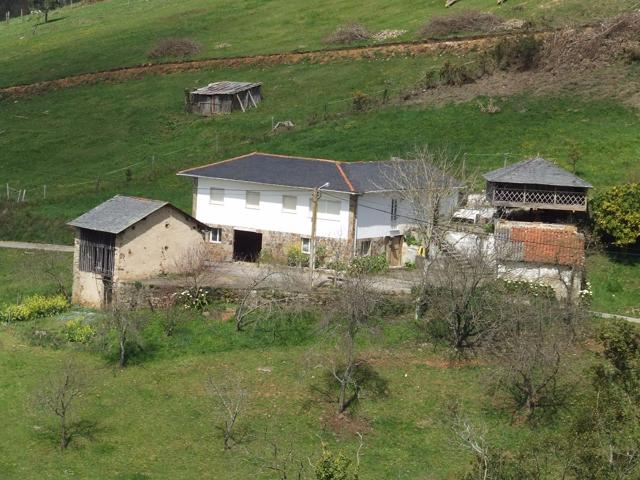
[88,143]
[155,419]
[116,33]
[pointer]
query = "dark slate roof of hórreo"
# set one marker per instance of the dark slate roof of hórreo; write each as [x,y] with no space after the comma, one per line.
[225,88]
[117,214]
[301,172]
[536,171]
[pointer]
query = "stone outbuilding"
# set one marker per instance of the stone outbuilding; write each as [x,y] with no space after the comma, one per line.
[126,239]
[223,97]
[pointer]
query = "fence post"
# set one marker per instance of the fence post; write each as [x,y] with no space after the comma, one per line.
[98,184]
[44,192]
[8,191]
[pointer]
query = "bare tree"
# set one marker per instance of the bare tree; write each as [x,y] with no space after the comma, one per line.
[531,347]
[353,306]
[269,292]
[193,265]
[429,183]
[473,438]
[127,322]
[230,399]
[58,396]
[463,294]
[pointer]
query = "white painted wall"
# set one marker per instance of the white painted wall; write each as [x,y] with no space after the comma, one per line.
[374,216]
[270,216]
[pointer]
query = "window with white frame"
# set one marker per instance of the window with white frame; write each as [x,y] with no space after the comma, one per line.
[216,196]
[305,247]
[394,211]
[327,207]
[289,203]
[365,248]
[215,235]
[252,200]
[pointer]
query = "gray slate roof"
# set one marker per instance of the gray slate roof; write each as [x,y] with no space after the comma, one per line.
[225,88]
[117,214]
[279,170]
[536,171]
[290,171]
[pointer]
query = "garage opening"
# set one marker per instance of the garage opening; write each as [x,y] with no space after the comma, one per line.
[246,246]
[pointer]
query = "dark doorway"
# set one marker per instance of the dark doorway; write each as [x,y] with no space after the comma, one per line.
[246,245]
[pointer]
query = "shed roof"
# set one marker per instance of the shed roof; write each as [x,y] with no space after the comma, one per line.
[301,172]
[536,171]
[117,214]
[225,88]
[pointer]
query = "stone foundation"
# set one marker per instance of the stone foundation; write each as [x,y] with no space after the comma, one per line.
[276,245]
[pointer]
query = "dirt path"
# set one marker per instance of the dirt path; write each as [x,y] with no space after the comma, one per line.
[36,246]
[456,45]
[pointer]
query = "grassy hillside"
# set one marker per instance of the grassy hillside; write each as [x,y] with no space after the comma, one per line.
[88,143]
[154,419]
[116,33]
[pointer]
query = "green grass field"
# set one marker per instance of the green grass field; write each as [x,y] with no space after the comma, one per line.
[117,33]
[28,272]
[154,419]
[80,141]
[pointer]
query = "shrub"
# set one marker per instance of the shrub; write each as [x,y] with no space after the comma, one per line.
[33,307]
[369,264]
[361,102]
[174,47]
[295,257]
[197,299]
[348,33]
[520,53]
[534,289]
[469,21]
[456,75]
[77,331]
[335,467]
[616,214]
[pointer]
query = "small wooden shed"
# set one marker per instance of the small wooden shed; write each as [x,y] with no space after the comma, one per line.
[223,97]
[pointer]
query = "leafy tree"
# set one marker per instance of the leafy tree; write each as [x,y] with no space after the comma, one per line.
[616,213]
[45,6]
[605,435]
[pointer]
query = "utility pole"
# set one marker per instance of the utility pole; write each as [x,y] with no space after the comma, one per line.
[315,196]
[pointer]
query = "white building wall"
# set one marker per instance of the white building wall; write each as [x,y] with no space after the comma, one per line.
[270,216]
[374,216]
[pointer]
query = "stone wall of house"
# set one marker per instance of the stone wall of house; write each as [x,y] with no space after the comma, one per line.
[275,245]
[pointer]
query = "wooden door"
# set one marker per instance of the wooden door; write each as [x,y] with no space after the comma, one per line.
[395,251]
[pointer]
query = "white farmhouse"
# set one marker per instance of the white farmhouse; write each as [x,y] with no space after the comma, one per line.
[260,203]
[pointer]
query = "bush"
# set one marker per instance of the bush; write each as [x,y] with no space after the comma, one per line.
[198,299]
[174,47]
[33,307]
[616,214]
[335,467]
[456,75]
[369,264]
[463,22]
[77,331]
[533,289]
[348,33]
[520,53]
[295,257]
[361,102]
